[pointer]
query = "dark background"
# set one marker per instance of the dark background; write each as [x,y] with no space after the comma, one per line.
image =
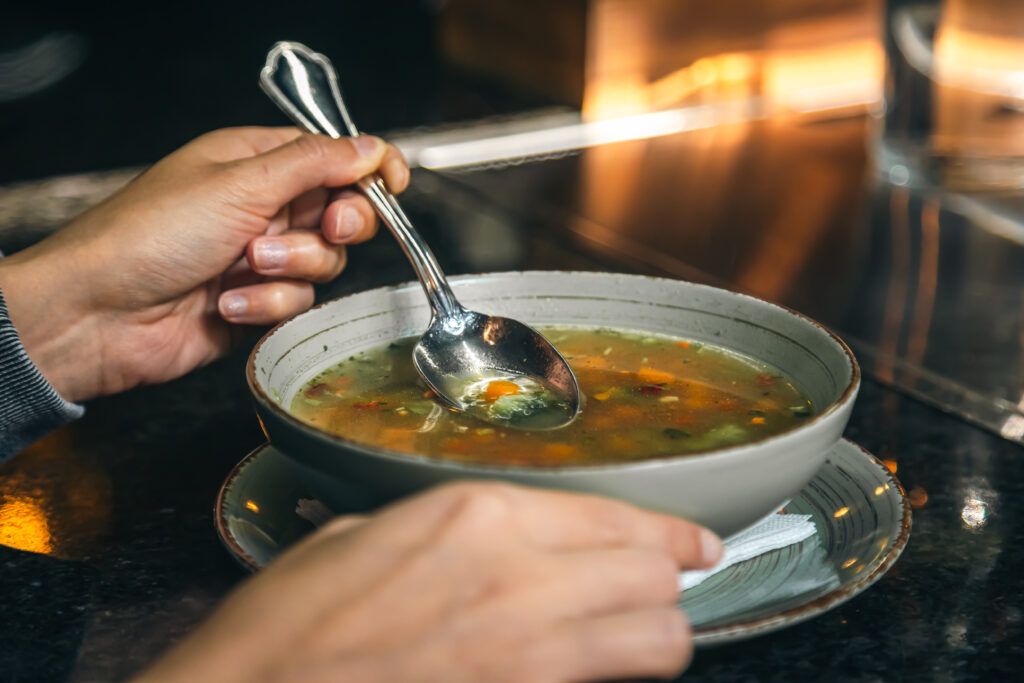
[148,80]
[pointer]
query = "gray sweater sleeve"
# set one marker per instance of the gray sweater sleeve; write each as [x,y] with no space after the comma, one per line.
[29,405]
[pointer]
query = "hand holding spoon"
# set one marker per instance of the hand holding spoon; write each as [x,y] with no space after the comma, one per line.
[462,353]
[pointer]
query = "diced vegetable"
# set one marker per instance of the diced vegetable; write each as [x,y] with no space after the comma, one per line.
[498,388]
[652,376]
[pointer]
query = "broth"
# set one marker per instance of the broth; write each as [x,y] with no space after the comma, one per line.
[646,396]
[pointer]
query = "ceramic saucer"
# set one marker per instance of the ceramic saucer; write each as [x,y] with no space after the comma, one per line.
[858,507]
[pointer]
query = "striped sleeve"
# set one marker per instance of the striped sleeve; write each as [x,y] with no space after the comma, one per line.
[29,405]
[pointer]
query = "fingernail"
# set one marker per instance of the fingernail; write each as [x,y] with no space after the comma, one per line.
[270,254]
[367,145]
[349,223]
[711,547]
[233,305]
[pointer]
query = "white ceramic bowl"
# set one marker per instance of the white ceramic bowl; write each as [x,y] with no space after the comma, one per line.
[726,489]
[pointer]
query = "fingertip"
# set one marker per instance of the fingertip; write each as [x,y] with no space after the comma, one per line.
[232,306]
[267,255]
[396,172]
[711,547]
[348,223]
[265,303]
[349,219]
[369,146]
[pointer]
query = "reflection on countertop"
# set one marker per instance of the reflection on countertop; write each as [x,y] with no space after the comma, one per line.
[925,285]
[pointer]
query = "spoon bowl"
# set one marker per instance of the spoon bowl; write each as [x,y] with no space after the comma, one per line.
[462,351]
[460,354]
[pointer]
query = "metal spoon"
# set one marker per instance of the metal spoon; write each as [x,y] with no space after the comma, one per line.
[461,349]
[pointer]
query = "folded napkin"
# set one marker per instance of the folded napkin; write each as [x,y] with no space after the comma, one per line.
[773,532]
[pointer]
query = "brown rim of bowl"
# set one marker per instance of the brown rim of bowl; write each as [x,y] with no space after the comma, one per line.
[262,397]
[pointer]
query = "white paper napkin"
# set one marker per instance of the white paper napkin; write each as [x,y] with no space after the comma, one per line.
[777,531]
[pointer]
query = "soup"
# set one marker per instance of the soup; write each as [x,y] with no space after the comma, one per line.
[645,396]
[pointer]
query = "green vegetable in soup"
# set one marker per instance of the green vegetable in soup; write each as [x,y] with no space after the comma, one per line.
[645,396]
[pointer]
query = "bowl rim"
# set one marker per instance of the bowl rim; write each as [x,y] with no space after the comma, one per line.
[263,399]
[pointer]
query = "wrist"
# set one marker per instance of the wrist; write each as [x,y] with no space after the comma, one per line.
[58,335]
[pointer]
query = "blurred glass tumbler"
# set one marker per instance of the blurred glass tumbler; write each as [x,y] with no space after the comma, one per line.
[954,114]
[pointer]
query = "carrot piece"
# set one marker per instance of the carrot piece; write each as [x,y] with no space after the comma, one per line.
[498,388]
[683,344]
[398,439]
[341,382]
[757,421]
[627,411]
[560,451]
[454,444]
[603,396]
[603,420]
[696,396]
[652,376]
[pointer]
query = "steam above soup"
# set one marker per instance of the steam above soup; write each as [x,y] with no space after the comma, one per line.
[646,396]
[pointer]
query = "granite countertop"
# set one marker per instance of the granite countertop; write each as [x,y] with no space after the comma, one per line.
[117,510]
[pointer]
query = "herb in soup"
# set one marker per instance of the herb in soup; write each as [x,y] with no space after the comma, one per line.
[515,400]
[646,396]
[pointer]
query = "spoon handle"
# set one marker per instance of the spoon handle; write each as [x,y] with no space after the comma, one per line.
[305,86]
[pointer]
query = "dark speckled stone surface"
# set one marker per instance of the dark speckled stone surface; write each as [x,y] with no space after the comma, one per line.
[121,503]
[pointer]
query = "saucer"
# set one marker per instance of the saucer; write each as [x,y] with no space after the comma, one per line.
[858,507]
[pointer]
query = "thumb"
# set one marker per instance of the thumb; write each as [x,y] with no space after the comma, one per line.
[270,180]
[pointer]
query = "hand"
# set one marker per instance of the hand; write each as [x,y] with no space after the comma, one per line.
[468,582]
[231,228]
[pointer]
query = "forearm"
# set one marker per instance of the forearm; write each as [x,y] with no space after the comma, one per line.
[43,303]
[29,406]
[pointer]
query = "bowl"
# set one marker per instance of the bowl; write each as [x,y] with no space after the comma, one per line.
[727,489]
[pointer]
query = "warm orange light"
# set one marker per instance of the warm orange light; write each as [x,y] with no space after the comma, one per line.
[830,76]
[849,562]
[705,71]
[23,525]
[736,66]
[252,505]
[263,427]
[982,61]
[891,464]
[918,497]
[835,76]
[841,512]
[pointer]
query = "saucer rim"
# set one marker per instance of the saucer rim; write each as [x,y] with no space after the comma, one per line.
[726,633]
[731,633]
